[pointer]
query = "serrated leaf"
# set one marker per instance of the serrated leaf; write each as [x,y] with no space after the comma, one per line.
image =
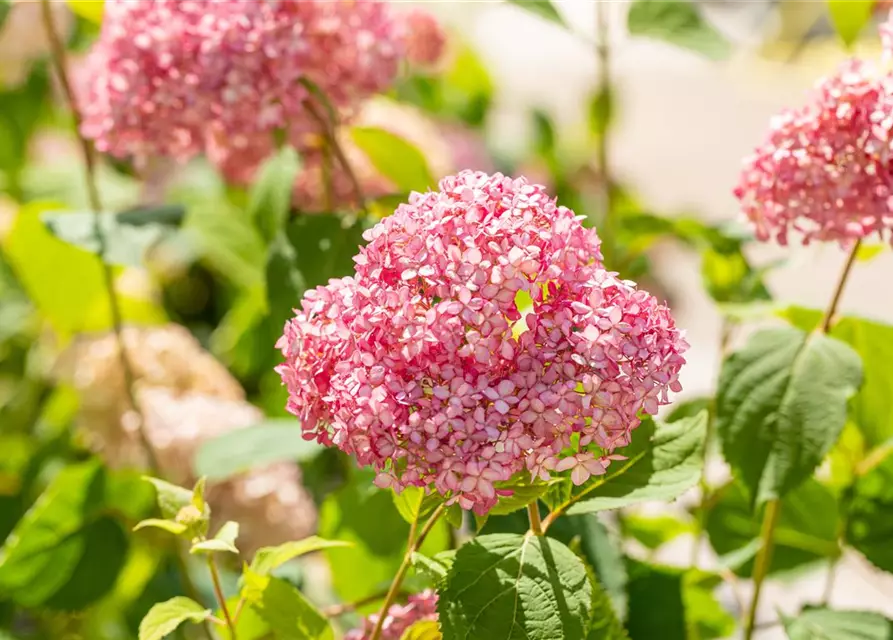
[170,526]
[524,491]
[395,158]
[435,568]
[269,199]
[275,440]
[678,22]
[224,541]
[164,618]
[415,505]
[604,624]
[284,608]
[781,405]
[849,17]
[269,558]
[424,630]
[171,498]
[663,469]
[827,624]
[542,8]
[515,587]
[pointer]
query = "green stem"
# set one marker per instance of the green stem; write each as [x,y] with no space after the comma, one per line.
[221,599]
[413,544]
[602,152]
[533,512]
[762,562]
[828,320]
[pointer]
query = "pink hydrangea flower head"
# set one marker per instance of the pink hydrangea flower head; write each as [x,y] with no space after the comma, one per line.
[824,171]
[425,39]
[424,367]
[163,73]
[419,607]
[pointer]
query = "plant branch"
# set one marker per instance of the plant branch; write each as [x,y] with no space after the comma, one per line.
[533,512]
[59,59]
[340,609]
[762,562]
[828,319]
[413,545]
[221,599]
[602,151]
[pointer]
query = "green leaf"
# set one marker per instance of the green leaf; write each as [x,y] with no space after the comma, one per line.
[228,241]
[164,618]
[269,200]
[289,614]
[820,623]
[849,18]
[655,531]
[868,252]
[678,22]
[524,491]
[171,498]
[806,532]
[601,112]
[92,10]
[395,158]
[782,404]
[233,453]
[662,469]
[604,624]
[325,245]
[871,409]
[415,505]
[515,587]
[224,541]
[171,526]
[364,515]
[869,526]
[424,630]
[542,8]
[126,243]
[435,568]
[269,558]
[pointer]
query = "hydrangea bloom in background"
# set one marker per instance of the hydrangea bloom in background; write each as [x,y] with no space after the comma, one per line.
[418,608]
[824,171]
[186,398]
[168,77]
[423,367]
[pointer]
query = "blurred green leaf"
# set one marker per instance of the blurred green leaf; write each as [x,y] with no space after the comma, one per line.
[164,618]
[512,586]
[5,6]
[269,558]
[127,238]
[467,87]
[171,526]
[678,22]
[524,491]
[285,282]
[238,451]
[229,242]
[171,498]
[325,245]
[654,531]
[365,516]
[819,623]
[604,623]
[424,630]
[64,282]
[20,111]
[849,18]
[782,404]
[269,200]
[395,158]
[601,112]
[92,10]
[415,505]
[224,540]
[542,8]
[659,468]
[869,525]
[868,252]
[806,532]
[871,409]
[289,614]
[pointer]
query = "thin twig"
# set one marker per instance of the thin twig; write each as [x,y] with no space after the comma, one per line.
[413,545]
[221,599]
[608,232]
[59,58]
[828,320]
[347,607]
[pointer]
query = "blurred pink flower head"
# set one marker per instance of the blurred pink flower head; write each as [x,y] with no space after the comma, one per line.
[425,39]
[824,171]
[419,607]
[423,366]
[165,75]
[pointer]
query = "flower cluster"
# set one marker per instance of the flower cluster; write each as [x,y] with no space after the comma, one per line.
[825,170]
[169,77]
[186,397]
[423,366]
[419,607]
